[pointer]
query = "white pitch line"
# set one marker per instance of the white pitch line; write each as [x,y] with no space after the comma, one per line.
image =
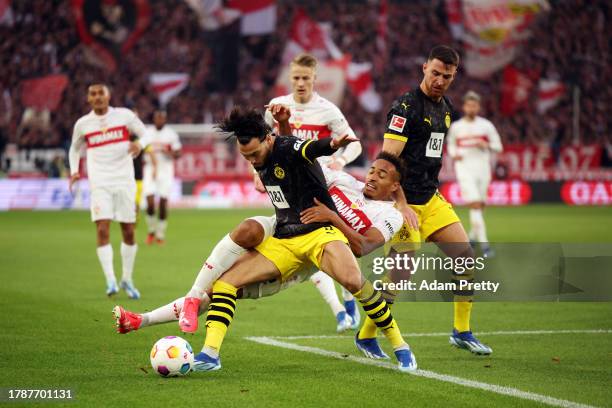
[498,389]
[491,333]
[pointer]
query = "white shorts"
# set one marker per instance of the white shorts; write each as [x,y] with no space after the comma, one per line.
[268,224]
[272,287]
[160,185]
[116,203]
[474,187]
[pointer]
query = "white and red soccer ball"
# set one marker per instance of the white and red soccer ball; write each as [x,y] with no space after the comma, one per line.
[172,356]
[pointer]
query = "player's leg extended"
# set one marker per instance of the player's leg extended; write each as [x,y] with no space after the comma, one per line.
[338,261]
[325,285]
[105,255]
[128,258]
[252,267]
[365,339]
[403,243]
[248,234]
[127,321]
[453,241]
[162,221]
[151,220]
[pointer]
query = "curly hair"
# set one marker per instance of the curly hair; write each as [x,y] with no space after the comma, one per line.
[397,162]
[244,124]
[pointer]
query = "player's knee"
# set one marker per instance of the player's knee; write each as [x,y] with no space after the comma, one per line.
[128,235]
[103,233]
[163,209]
[352,282]
[248,234]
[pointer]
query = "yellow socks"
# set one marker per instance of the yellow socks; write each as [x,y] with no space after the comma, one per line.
[379,313]
[369,329]
[220,314]
[462,302]
[463,311]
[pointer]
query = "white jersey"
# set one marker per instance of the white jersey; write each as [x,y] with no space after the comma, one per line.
[160,141]
[317,119]
[462,140]
[107,138]
[358,211]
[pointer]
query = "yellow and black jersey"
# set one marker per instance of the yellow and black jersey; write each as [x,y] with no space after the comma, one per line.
[293,178]
[422,123]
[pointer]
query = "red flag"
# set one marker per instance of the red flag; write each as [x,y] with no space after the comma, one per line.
[43,93]
[516,86]
[258,16]
[168,84]
[550,92]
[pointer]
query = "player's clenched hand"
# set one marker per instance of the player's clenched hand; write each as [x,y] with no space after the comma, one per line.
[73,179]
[410,217]
[259,186]
[134,149]
[342,141]
[280,113]
[318,213]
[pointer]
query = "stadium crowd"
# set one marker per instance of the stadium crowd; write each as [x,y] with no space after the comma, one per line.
[42,39]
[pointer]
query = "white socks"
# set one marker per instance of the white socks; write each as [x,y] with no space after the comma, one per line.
[346,295]
[105,255]
[325,285]
[151,223]
[222,257]
[169,312]
[156,226]
[128,256]
[478,229]
[160,231]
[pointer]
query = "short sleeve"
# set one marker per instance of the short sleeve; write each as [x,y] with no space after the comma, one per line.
[176,141]
[400,120]
[389,223]
[135,125]
[339,125]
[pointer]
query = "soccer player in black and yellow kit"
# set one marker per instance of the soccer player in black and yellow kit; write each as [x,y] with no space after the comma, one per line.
[293,179]
[416,126]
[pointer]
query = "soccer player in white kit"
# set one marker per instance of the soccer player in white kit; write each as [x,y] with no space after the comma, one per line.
[163,149]
[314,117]
[106,133]
[471,140]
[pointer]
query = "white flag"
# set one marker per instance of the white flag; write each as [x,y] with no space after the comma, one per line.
[168,85]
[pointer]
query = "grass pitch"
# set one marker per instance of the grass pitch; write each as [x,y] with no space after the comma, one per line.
[56,329]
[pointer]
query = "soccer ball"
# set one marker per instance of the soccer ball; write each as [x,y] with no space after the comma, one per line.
[171,356]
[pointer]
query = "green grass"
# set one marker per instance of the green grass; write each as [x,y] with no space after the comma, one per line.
[56,328]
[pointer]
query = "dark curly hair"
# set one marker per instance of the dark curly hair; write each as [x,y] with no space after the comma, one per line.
[244,124]
[398,163]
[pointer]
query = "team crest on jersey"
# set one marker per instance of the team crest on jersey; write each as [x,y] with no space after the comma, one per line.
[279,172]
[397,123]
[447,120]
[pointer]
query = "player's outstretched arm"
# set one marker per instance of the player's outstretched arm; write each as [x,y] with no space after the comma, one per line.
[360,244]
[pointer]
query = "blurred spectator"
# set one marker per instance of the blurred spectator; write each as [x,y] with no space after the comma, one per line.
[570,42]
